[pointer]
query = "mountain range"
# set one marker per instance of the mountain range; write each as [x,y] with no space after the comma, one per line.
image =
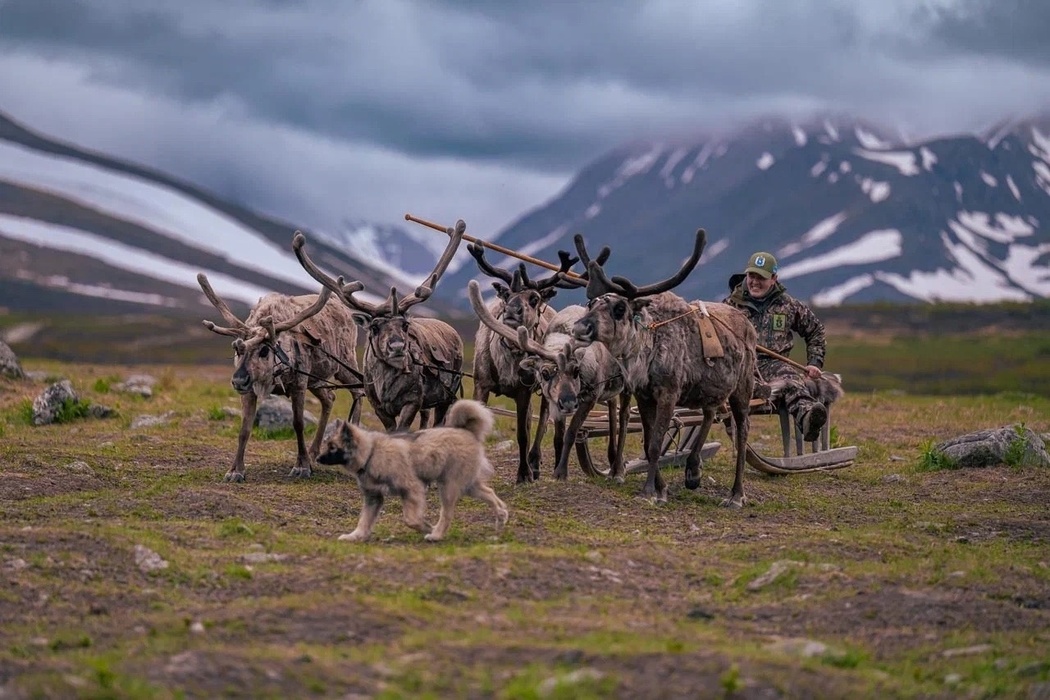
[854,212]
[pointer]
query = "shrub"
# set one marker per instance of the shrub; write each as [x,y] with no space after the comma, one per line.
[932,459]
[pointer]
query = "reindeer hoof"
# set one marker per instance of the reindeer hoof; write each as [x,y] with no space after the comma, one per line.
[561,474]
[233,477]
[692,482]
[300,471]
[734,502]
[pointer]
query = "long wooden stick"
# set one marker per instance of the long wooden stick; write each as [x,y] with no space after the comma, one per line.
[492,246]
[570,273]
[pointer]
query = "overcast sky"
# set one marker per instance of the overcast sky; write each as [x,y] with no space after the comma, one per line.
[324,110]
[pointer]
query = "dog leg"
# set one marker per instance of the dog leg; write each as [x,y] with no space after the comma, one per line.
[448,497]
[485,493]
[369,512]
[414,506]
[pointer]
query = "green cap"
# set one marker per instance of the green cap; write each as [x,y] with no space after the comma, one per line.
[762,264]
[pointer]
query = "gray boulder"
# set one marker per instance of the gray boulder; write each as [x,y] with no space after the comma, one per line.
[1013,444]
[275,412]
[47,405]
[9,364]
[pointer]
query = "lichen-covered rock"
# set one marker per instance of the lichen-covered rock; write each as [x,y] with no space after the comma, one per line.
[47,405]
[9,364]
[1010,444]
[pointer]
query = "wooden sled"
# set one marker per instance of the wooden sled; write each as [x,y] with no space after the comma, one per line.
[820,457]
[681,437]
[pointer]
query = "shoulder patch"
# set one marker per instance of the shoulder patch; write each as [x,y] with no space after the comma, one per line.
[779,322]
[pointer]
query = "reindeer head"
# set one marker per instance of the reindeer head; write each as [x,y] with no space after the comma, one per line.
[259,341]
[558,375]
[387,326]
[524,299]
[617,307]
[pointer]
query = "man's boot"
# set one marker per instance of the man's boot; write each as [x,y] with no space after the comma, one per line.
[812,421]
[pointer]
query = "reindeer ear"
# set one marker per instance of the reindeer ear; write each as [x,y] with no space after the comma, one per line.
[529,364]
[362,319]
[502,291]
[548,293]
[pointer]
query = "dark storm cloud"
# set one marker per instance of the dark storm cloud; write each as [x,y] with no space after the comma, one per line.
[486,81]
[1009,29]
[486,105]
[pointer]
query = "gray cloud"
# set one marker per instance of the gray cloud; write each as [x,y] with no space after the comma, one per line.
[334,108]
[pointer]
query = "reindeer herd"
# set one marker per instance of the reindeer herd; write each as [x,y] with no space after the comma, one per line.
[629,341]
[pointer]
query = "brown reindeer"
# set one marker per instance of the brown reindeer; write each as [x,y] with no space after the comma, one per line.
[521,303]
[289,345]
[411,365]
[669,361]
[571,379]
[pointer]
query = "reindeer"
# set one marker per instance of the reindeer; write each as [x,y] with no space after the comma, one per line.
[411,365]
[571,379]
[289,345]
[522,304]
[669,361]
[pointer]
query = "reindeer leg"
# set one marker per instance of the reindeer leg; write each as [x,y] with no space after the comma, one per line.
[617,467]
[302,460]
[408,415]
[354,416]
[541,430]
[741,426]
[424,418]
[249,404]
[692,461]
[560,470]
[523,413]
[661,422]
[648,413]
[327,398]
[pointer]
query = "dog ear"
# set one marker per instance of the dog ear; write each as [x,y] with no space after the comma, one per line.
[347,433]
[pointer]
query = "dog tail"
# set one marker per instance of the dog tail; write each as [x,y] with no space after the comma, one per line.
[472,416]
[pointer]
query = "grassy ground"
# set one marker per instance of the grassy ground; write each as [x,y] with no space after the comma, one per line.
[878,580]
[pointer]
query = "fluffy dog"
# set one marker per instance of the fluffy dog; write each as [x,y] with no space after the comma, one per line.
[451,456]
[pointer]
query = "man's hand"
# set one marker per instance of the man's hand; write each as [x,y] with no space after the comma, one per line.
[813,372]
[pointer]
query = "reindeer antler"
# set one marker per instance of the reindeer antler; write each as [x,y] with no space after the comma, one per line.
[521,336]
[554,280]
[299,247]
[306,313]
[599,283]
[424,290]
[238,328]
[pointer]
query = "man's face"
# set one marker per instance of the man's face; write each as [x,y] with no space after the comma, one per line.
[758,286]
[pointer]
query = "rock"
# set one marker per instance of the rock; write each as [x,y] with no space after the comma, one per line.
[147,421]
[147,560]
[276,412]
[139,384]
[989,448]
[47,405]
[9,364]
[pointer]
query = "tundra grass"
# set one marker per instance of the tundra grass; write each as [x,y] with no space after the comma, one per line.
[895,580]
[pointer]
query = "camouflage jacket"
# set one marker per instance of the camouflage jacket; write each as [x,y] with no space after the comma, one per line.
[776,317]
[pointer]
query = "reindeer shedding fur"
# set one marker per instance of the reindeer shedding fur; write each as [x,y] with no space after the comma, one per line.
[318,338]
[521,303]
[411,365]
[655,334]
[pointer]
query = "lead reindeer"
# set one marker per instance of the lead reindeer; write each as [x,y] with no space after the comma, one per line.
[289,345]
[671,359]
[521,303]
[411,365]
[571,379]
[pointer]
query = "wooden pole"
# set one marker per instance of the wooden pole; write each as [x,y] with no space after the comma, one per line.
[492,246]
